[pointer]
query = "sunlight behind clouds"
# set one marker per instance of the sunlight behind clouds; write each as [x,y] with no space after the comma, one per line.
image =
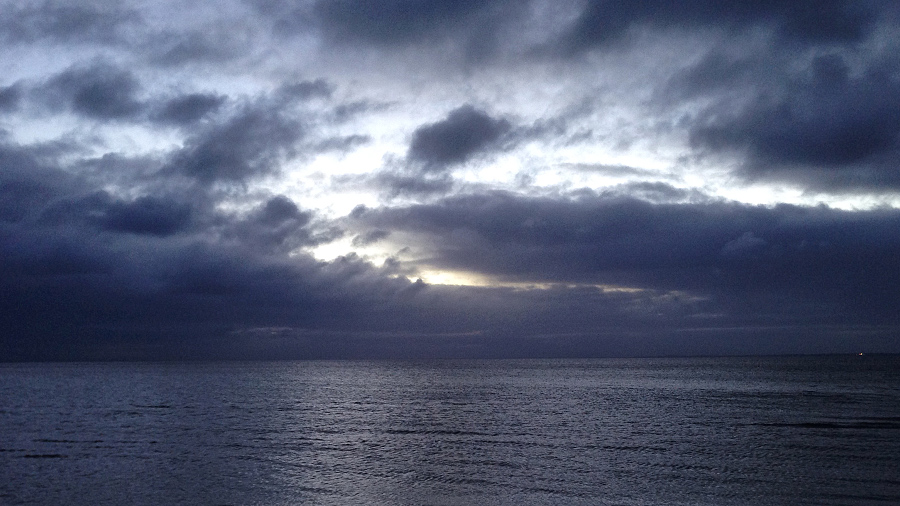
[300,164]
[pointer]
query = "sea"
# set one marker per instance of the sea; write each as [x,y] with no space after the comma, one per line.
[816,430]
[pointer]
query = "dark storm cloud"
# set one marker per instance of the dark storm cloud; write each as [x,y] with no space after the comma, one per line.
[150,215]
[67,298]
[82,270]
[276,225]
[38,191]
[100,91]
[186,109]
[843,259]
[146,215]
[75,294]
[249,144]
[64,22]
[825,127]
[28,181]
[465,132]
[602,22]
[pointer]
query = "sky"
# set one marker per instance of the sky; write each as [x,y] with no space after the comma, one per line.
[258,179]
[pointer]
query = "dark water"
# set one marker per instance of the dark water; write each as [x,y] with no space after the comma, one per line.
[813,430]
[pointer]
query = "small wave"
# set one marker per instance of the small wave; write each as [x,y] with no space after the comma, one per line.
[456,480]
[552,491]
[315,490]
[485,462]
[438,432]
[67,441]
[860,423]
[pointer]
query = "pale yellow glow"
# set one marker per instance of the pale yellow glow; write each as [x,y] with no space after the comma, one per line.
[378,254]
[462,278]
[455,278]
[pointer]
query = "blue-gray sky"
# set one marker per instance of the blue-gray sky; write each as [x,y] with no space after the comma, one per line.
[333,178]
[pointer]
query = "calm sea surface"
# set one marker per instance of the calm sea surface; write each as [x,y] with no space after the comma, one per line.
[744,431]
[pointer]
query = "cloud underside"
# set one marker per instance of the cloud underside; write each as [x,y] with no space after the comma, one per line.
[168,181]
[168,272]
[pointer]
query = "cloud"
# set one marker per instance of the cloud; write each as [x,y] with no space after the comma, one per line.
[29,180]
[159,277]
[253,140]
[748,243]
[87,274]
[471,25]
[251,143]
[370,237]
[277,226]
[146,215]
[602,23]
[10,97]
[99,91]
[612,170]
[840,259]
[150,215]
[306,90]
[468,31]
[399,184]
[187,109]
[342,144]
[824,127]
[83,269]
[465,132]
[166,179]
[392,22]
[86,22]
[173,49]
[657,192]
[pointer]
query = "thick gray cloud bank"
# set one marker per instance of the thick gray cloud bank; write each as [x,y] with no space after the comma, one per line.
[420,178]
